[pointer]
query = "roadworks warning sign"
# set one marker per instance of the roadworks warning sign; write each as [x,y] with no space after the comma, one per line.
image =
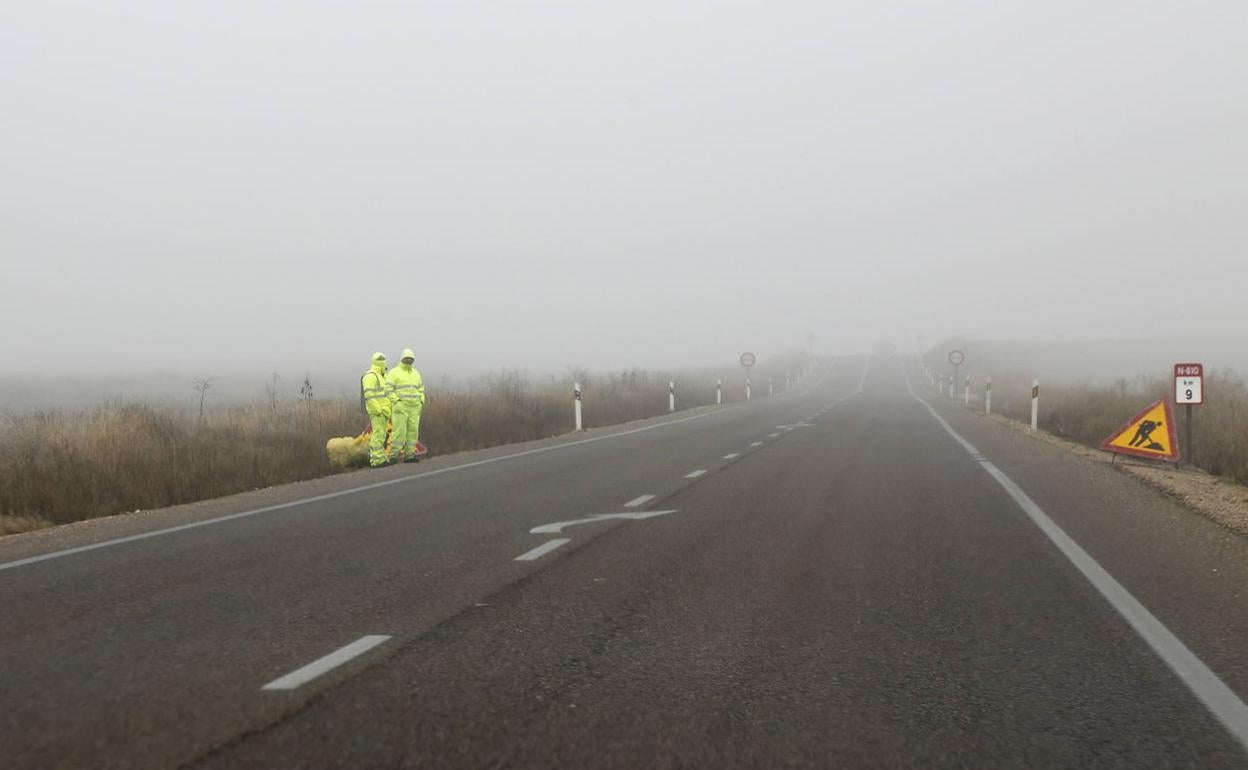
[1149,434]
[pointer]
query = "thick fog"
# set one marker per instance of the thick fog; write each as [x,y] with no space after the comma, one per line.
[207,186]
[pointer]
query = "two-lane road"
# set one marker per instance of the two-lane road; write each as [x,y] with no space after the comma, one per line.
[828,578]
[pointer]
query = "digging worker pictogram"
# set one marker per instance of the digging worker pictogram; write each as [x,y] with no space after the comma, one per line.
[1143,434]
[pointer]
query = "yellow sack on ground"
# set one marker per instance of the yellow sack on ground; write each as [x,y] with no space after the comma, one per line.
[348,452]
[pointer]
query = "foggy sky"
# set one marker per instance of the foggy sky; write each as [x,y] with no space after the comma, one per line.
[205,185]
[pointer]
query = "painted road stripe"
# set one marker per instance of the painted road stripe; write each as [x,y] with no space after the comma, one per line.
[544,549]
[639,501]
[772,435]
[1221,700]
[327,663]
[756,443]
[557,527]
[732,456]
[694,475]
[344,493]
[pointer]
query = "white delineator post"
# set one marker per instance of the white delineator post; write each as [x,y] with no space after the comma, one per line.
[1035,403]
[576,393]
[771,386]
[988,396]
[747,387]
[719,392]
[966,392]
[671,396]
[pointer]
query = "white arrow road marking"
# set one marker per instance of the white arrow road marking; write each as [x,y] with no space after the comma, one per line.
[543,549]
[327,663]
[558,526]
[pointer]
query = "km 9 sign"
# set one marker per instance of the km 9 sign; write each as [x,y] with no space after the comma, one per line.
[1189,380]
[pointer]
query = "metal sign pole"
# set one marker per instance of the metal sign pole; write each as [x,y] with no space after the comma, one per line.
[1191,450]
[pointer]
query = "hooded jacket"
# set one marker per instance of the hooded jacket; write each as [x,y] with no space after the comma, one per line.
[405,386]
[373,390]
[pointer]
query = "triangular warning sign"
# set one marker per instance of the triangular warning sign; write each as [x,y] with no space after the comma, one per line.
[1149,434]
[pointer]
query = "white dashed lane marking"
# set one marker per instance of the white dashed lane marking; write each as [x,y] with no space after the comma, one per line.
[544,549]
[694,475]
[732,456]
[328,663]
[638,502]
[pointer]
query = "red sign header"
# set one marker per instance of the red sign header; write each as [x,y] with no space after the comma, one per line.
[1189,370]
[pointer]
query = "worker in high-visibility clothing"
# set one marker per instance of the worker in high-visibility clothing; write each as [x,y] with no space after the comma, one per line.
[407,397]
[376,397]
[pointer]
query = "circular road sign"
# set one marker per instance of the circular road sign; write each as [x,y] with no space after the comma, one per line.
[748,360]
[956,357]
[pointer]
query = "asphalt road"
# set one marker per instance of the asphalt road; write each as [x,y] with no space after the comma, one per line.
[844,576]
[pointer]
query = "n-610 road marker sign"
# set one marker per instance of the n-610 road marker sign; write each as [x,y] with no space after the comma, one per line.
[1189,381]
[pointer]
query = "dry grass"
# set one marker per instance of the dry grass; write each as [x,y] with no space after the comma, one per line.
[61,466]
[1086,412]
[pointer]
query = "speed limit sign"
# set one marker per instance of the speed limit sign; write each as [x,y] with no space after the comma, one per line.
[747,360]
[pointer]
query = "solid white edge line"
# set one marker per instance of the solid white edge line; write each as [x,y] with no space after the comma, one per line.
[638,501]
[322,665]
[341,493]
[1221,701]
[543,549]
[694,475]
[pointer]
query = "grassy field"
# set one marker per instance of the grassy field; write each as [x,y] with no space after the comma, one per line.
[62,466]
[1087,411]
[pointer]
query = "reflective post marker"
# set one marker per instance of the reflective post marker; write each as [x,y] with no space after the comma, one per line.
[719,392]
[576,393]
[771,386]
[671,396]
[747,387]
[966,392]
[988,397]
[1035,403]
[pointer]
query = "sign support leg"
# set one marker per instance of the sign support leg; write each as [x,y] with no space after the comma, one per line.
[1187,429]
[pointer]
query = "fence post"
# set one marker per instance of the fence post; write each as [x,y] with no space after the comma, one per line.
[988,397]
[719,392]
[576,393]
[1035,403]
[671,396]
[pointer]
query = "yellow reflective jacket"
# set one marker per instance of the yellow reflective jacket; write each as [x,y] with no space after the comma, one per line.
[406,388]
[374,390]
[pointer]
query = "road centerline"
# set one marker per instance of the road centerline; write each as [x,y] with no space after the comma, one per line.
[543,549]
[301,676]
